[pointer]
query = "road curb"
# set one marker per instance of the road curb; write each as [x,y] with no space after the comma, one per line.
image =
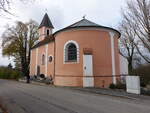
[120,96]
[97,92]
[34,83]
[83,90]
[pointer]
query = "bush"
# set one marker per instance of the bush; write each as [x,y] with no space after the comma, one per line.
[8,73]
[119,85]
[144,73]
[112,86]
[145,92]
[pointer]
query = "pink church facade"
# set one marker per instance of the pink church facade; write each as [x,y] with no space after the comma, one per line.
[83,54]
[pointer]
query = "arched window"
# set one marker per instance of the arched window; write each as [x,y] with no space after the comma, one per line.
[43,59]
[71,52]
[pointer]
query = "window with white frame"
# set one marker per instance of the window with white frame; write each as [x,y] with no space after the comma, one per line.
[71,51]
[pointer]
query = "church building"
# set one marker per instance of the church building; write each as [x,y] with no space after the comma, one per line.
[83,54]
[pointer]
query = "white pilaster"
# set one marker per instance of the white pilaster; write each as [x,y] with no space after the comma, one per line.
[113,56]
[36,63]
[46,57]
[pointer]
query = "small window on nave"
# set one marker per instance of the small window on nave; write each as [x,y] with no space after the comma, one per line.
[43,59]
[50,58]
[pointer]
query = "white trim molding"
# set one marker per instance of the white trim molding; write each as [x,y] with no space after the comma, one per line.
[76,44]
[46,57]
[36,63]
[112,34]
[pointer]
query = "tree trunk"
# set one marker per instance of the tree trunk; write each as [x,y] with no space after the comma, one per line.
[130,68]
[28,77]
[26,69]
[26,65]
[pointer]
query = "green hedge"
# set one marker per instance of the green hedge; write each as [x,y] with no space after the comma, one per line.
[8,73]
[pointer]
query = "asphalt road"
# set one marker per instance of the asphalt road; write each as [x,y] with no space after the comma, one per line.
[28,98]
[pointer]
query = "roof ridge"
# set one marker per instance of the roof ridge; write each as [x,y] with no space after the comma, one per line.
[75,23]
[91,22]
[83,22]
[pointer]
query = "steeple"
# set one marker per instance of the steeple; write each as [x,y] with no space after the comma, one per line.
[45,28]
[46,22]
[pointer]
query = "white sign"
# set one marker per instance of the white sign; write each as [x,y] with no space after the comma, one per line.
[133,84]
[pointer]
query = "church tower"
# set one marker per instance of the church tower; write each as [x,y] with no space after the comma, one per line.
[45,28]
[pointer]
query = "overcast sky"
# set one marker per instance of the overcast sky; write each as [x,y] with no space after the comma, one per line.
[63,13]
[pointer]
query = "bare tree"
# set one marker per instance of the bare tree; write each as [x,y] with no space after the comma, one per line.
[137,15]
[5,5]
[18,41]
[127,43]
